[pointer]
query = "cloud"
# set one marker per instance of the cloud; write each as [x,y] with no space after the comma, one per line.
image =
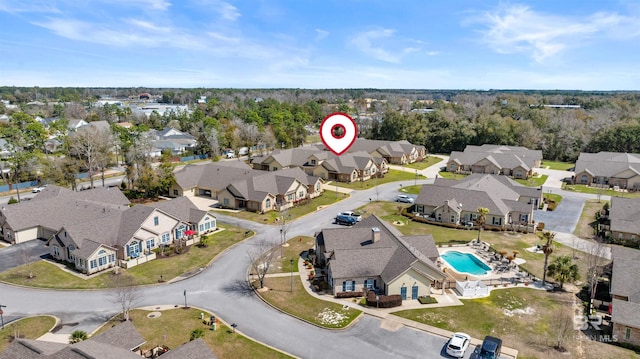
[161,5]
[228,11]
[321,34]
[14,7]
[384,45]
[519,29]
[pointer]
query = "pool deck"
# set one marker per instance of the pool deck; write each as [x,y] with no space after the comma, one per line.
[502,275]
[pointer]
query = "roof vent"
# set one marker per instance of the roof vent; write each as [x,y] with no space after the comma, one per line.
[375,234]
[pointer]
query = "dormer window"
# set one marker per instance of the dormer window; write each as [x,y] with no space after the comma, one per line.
[156,221]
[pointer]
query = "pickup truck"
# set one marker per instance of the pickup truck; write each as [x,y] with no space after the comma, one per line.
[351,214]
[346,220]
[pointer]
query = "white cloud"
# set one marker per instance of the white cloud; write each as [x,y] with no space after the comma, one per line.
[365,42]
[161,5]
[321,34]
[519,29]
[228,11]
[13,7]
[433,53]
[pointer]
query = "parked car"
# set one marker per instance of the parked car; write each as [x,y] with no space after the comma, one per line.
[38,189]
[458,344]
[346,220]
[352,214]
[491,347]
[404,198]
[229,154]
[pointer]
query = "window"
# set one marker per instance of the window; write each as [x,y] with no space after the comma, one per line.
[180,231]
[627,334]
[151,243]
[369,283]
[290,197]
[496,220]
[156,221]
[275,168]
[102,261]
[202,228]
[165,237]
[301,194]
[226,202]
[524,217]
[134,249]
[112,258]
[56,251]
[318,186]
[175,192]
[93,264]
[453,218]
[268,203]
[348,286]
[313,162]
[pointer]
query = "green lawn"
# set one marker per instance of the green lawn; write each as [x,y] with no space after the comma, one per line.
[304,306]
[47,275]
[556,165]
[427,162]
[28,328]
[533,181]
[586,225]
[327,198]
[173,328]
[391,176]
[411,189]
[603,192]
[452,175]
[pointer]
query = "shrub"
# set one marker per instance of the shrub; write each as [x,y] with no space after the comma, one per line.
[12,200]
[196,333]
[349,294]
[427,300]
[384,301]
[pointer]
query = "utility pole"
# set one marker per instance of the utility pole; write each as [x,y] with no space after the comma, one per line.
[185,298]
[1,317]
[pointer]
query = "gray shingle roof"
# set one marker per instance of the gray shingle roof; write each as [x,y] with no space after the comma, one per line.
[624,214]
[30,349]
[356,255]
[92,349]
[625,313]
[624,278]
[195,349]
[607,164]
[257,187]
[123,335]
[502,156]
[214,175]
[183,208]
[497,193]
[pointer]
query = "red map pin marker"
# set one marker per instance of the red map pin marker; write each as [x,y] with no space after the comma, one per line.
[338,131]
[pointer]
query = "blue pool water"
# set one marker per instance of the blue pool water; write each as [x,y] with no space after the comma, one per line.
[465,263]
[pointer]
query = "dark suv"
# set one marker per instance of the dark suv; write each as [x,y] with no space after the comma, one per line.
[490,348]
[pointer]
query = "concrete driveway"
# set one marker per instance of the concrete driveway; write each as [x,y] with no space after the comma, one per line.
[564,218]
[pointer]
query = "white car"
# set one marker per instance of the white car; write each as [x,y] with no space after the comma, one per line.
[357,217]
[404,198]
[38,189]
[458,344]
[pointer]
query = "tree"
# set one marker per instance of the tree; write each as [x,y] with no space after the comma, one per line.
[260,259]
[547,249]
[77,336]
[563,269]
[596,261]
[562,327]
[481,220]
[92,145]
[25,256]
[125,293]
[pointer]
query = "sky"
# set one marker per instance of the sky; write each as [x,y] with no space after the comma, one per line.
[315,44]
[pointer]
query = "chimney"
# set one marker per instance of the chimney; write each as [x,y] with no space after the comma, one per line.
[375,234]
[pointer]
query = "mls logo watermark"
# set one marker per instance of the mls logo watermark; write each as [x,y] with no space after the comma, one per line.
[582,322]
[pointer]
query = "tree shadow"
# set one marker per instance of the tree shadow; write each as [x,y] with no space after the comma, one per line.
[238,287]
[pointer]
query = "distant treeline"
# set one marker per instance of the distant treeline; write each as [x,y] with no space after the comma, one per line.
[605,121]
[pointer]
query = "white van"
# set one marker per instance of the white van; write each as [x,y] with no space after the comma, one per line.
[243,151]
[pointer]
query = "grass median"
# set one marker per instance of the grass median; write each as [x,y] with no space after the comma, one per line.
[391,176]
[27,328]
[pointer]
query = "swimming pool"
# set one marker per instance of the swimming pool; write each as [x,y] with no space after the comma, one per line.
[465,263]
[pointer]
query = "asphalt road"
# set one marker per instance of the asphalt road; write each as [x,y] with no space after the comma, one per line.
[222,289]
[19,254]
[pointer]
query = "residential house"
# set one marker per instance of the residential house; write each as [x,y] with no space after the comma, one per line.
[348,167]
[608,169]
[126,238]
[265,191]
[281,159]
[201,222]
[625,294]
[173,140]
[118,342]
[455,203]
[514,161]
[373,255]
[394,152]
[624,227]
[207,180]
[43,216]
[75,124]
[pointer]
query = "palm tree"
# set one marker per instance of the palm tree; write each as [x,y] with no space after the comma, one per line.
[563,269]
[547,249]
[482,218]
[77,336]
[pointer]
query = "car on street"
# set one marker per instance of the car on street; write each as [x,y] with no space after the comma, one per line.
[346,220]
[491,348]
[404,198]
[38,189]
[458,344]
[352,214]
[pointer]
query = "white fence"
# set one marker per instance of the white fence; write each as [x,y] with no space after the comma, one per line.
[472,288]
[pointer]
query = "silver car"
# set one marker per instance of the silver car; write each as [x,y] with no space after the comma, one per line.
[404,198]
